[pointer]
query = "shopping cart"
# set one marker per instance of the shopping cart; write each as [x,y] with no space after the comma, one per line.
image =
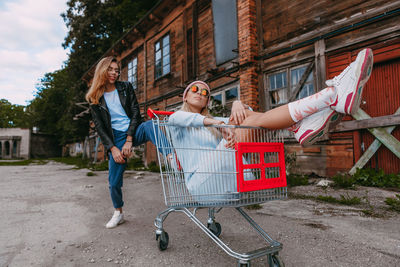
[251,173]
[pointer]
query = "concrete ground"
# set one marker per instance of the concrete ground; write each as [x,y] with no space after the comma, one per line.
[54,215]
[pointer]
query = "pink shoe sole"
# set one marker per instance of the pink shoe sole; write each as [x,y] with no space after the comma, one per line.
[311,136]
[353,99]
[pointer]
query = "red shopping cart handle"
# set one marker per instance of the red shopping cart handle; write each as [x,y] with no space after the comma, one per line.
[151,113]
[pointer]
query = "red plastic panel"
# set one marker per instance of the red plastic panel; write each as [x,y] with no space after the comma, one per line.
[268,173]
[151,113]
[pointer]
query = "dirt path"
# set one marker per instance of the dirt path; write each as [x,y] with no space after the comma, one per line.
[53,215]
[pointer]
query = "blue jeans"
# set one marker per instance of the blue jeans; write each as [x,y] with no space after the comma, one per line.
[144,133]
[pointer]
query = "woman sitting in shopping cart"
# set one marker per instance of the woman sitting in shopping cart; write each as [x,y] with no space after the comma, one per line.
[308,118]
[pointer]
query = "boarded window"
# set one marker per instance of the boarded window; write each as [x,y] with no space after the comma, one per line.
[225,30]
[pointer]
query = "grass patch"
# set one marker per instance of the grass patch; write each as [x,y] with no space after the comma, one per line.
[343,200]
[297,180]
[372,213]
[90,174]
[80,163]
[254,207]
[300,196]
[23,162]
[345,181]
[133,164]
[98,166]
[374,178]
[349,201]
[77,161]
[367,177]
[328,199]
[153,167]
[394,203]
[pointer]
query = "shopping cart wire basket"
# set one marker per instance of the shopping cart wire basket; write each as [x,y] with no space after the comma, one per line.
[198,171]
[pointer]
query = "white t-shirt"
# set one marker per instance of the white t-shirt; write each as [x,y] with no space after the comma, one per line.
[119,120]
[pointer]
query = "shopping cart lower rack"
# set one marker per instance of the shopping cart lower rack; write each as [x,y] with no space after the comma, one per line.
[198,171]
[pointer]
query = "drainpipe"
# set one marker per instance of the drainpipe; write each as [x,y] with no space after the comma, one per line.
[144,156]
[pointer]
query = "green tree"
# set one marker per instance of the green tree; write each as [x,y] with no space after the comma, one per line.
[13,115]
[94,26]
[51,109]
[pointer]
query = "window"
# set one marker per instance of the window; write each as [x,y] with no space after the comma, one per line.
[14,149]
[162,59]
[7,148]
[225,30]
[226,97]
[132,72]
[308,87]
[279,83]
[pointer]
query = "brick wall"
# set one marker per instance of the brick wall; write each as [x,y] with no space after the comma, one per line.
[248,49]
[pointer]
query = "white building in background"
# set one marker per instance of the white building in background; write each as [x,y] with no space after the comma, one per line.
[14,143]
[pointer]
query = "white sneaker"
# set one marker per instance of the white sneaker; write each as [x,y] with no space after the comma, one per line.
[349,84]
[312,128]
[116,219]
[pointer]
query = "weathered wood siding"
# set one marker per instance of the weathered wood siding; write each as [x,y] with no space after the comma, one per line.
[292,33]
[288,19]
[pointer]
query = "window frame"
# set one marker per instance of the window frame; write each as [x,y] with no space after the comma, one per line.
[134,84]
[160,41]
[288,88]
[223,91]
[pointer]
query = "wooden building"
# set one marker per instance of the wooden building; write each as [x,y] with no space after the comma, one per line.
[266,53]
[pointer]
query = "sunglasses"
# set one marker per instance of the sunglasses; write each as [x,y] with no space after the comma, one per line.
[203,92]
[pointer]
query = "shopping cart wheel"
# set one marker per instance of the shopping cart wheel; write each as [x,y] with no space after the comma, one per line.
[215,228]
[275,261]
[162,240]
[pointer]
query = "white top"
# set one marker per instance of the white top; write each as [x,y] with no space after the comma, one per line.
[119,120]
[208,165]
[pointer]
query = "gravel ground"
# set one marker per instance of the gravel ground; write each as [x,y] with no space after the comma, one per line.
[54,215]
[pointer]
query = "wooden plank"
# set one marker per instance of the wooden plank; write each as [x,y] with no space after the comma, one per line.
[357,145]
[388,140]
[320,64]
[382,121]
[376,144]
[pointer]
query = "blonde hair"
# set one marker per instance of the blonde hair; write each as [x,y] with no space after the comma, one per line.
[97,87]
[214,131]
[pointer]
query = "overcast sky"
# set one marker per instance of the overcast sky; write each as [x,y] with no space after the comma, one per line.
[31,34]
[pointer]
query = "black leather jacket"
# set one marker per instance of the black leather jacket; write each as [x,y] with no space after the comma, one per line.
[102,119]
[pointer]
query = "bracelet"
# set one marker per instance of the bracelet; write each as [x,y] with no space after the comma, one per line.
[128,141]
